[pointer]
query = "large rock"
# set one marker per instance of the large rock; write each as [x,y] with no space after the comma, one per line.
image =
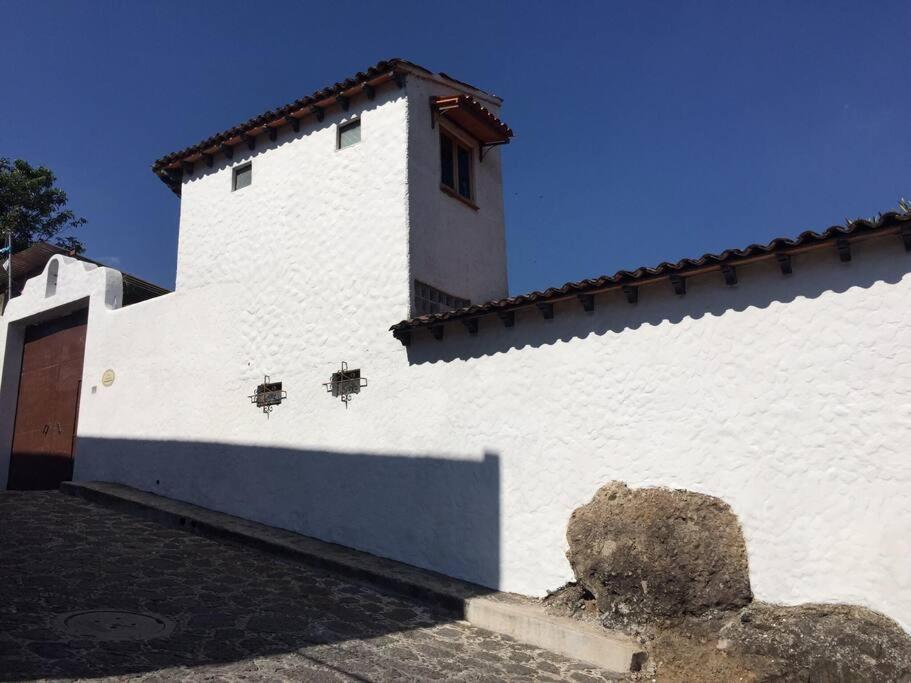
[658,552]
[814,643]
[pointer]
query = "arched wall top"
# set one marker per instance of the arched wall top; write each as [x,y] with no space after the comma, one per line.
[64,281]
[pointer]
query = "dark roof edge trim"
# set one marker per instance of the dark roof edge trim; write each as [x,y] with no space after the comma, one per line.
[885,224]
[170,168]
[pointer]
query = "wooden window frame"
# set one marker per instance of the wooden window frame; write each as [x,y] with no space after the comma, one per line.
[458,141]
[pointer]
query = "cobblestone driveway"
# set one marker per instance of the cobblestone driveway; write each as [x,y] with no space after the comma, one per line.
[239,614]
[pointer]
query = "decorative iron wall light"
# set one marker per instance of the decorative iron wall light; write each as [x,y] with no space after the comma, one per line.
[344,383]
[268,395]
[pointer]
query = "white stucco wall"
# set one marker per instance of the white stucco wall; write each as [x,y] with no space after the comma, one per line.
[788,397]
[454,247]
[66,285]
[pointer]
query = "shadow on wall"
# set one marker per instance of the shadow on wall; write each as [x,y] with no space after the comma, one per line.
[760,285]
[228,604]
[436,513]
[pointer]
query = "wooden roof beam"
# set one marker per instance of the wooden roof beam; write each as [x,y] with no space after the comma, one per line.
[679,284]
[905,232]
[294,122]
[588,302]
[784,262]
[844,249]
[403,336]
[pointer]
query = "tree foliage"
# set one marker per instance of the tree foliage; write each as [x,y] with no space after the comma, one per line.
[33,208]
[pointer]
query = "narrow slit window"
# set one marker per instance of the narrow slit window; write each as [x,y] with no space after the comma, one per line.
[349,133]
[243,176]
[50,288]
[446,171]
[464,172]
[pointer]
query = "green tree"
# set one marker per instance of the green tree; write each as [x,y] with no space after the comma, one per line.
[33,209]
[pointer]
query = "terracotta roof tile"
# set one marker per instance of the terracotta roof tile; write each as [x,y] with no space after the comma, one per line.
[891,221]
[168,167]
[473,117]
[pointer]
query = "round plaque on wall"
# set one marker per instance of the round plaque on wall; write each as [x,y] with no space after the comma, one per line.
[107,378]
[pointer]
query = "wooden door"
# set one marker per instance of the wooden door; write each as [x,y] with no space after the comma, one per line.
[48,408]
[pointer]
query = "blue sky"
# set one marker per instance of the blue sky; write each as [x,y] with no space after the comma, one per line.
[644,131]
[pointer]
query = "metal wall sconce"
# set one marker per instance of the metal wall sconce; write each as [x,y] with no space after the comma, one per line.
[345,383]
[268,395]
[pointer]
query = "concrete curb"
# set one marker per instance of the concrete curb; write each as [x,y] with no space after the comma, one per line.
[516,616]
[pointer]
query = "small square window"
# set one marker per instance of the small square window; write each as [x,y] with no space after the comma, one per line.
[243,176]
[349,133]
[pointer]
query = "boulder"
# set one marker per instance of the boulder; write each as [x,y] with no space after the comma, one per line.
[812,642]
[658,552]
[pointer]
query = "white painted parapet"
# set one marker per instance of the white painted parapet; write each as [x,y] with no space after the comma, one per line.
[65,285]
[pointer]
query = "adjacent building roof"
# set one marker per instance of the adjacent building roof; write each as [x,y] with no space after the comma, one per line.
[170,168]
[32,260]
[781,249]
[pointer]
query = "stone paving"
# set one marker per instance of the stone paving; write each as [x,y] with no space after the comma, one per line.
[235,613]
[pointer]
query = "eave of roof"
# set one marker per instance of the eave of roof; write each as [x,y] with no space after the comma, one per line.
[781,248]
[170,168]
[472,117]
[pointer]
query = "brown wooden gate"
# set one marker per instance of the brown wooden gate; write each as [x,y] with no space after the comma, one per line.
[48,407]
